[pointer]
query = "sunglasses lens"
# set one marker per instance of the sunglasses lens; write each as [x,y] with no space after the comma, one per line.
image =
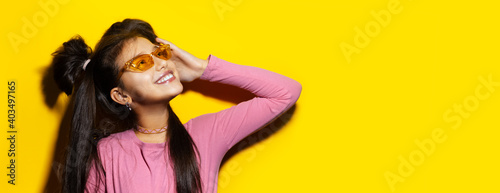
[141,63]
[144,62]
[163,52]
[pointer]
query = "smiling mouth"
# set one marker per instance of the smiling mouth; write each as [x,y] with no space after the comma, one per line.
[166,78]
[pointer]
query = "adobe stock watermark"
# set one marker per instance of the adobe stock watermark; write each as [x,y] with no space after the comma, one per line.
[223,6]
[427,146]
[372,29]
[31,25]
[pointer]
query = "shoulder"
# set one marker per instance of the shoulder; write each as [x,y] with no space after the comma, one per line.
[200,123]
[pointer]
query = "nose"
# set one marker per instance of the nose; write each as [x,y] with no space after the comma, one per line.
[159,63]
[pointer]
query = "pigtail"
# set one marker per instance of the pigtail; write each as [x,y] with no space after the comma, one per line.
[74,80]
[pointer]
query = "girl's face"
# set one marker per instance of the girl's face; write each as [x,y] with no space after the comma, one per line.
[154,85]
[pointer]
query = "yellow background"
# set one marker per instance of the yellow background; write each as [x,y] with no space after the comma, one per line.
[353,121]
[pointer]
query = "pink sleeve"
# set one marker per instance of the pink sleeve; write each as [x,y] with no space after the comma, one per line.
[274,92]
[90,186]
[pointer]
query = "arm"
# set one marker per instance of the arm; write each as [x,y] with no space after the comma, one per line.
[275,94]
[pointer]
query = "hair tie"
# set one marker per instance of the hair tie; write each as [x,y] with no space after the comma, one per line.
[85,64]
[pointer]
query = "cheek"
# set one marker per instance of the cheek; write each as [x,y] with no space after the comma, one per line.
[137,84]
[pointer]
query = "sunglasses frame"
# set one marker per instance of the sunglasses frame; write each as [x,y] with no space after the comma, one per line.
[130,66]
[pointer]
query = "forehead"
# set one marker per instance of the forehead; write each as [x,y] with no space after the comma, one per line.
[134,47]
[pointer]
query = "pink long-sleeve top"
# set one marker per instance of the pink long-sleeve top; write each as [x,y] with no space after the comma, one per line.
[132,165]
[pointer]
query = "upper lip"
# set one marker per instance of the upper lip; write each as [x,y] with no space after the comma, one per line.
[164,74]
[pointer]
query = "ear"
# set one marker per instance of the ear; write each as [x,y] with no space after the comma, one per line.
[119,96]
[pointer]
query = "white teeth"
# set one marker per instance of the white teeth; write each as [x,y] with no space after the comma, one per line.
[165,78]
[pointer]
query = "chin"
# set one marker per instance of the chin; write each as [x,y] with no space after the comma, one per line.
[160,94]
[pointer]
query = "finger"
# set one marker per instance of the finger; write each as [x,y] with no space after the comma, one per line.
[181,54]
[173,47]
[163,41]
[176,50]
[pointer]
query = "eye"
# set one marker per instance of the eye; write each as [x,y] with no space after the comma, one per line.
[140,63]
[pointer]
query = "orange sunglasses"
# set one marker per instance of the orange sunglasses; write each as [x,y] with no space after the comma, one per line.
[144,62]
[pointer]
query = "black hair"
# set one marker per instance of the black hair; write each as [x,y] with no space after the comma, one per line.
[96,115]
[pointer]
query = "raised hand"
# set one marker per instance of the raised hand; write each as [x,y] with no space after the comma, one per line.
[189,67]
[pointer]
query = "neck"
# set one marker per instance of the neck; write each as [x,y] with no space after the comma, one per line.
[152,117]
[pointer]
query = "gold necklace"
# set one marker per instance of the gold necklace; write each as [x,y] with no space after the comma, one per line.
[150,131]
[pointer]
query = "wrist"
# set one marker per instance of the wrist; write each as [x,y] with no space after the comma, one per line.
[203,64]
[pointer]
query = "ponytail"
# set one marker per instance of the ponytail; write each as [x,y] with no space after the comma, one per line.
[69,75]
[68,63]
